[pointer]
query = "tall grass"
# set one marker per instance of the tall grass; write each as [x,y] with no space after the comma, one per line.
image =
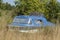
[48,33]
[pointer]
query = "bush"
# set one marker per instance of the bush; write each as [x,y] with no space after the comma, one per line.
[0,14]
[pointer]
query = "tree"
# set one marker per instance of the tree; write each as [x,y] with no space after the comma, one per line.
[52,8]
[28,6]
[0,3]
[6,6]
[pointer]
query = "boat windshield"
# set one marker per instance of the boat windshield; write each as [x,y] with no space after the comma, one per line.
[21,20]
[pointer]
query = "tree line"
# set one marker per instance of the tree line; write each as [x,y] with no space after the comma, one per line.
[50,8]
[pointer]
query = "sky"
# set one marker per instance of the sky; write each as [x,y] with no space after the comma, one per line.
[12,1]
[59,0]
[9,1]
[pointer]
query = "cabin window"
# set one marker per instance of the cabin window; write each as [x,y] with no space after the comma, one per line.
[38,21]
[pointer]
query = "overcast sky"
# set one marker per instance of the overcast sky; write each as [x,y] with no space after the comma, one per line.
[12,1]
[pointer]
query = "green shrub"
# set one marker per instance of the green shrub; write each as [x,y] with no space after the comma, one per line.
[0,14]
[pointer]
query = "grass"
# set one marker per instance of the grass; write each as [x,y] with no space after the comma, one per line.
[44,34]
[48,33]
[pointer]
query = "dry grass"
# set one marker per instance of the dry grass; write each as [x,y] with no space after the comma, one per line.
[44,34]
[47,33]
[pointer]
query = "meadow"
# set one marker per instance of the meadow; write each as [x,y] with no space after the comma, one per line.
[48,33]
